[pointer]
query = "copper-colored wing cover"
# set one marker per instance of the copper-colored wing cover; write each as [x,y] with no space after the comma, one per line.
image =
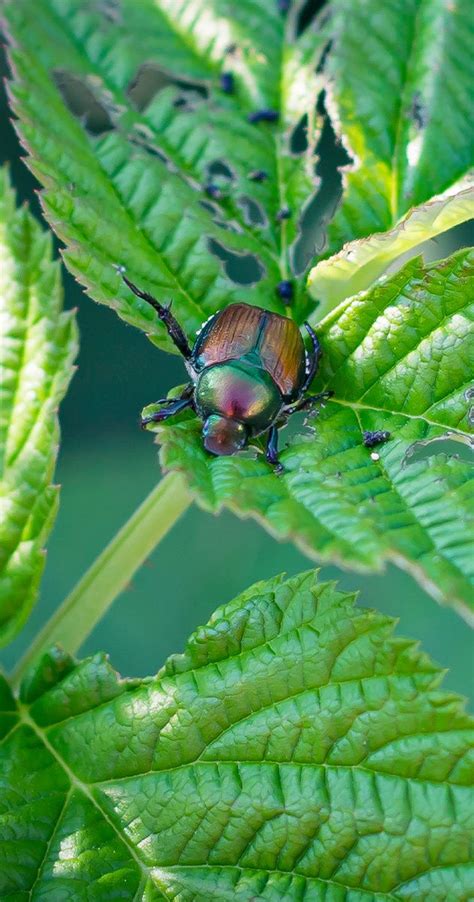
[283,355]
[273,341]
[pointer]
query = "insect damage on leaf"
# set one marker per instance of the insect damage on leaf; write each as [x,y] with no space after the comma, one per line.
[147,194]
[143,135]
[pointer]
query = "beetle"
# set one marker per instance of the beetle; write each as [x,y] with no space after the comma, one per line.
[249,373]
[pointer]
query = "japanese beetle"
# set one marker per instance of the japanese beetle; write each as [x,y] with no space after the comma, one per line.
[249,373]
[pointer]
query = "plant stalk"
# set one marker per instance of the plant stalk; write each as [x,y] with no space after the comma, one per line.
[109,575]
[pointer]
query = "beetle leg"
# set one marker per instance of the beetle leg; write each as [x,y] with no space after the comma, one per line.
[313,357]
[174,405]
[271,453]
[173,328]
[310,401]
[166,412]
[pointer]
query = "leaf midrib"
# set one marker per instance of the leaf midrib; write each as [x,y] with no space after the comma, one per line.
[395,173]
[23,280]
[358,405]
[78,784]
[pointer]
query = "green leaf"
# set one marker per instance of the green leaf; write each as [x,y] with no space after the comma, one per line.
[98,82]
[397,358]
[296,750]
[128,183]
[361,262]
[38,344]
[101,81]
[399,94]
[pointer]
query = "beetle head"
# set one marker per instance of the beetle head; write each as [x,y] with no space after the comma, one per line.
[224,436]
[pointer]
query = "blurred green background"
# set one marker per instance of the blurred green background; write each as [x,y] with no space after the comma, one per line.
[107,466]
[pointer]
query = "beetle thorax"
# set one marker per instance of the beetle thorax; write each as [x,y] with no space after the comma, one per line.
[239,391]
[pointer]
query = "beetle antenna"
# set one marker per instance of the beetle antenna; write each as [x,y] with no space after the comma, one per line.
[173,328]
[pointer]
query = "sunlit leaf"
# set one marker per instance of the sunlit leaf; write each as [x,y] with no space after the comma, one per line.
[296,750]
[37,347]
[398,357]
[361,262]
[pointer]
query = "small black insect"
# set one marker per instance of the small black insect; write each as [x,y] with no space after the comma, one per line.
[258,175]
[265,115]
[213,191]
[249,373]
[284,213]
[371,439]
[418,111]
[285,290]
[227,82]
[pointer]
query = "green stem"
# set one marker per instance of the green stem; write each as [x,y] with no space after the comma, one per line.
[77,616]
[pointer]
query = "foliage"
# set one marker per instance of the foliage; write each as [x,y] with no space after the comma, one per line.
[295,750]
[135,192]
[397,357]
[37,348]
[131,93]
[399,88]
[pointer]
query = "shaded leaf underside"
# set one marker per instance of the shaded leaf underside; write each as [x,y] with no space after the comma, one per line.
[37,347]
[359,263]
[399,358]
[295,750]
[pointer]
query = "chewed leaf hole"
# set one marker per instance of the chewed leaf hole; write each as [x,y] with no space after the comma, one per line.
[469,396]
[219,169]
[150,79]
[82,102]
[308,13]
[451,444]
[111,10]
[253,212]
[418,111]
[299,137]
[319,210]
[324,56]
[244,269]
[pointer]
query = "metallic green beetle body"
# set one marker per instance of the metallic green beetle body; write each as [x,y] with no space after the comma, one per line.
[249,372]
[264,340]
[247,362]
[238,391]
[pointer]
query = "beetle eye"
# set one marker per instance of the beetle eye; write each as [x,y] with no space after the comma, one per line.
[223,436]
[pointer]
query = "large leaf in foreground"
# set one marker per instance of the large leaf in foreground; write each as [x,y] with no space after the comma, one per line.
[399,83]
[126,146]
[361,262]
[296,750]
[37,347]
[397,358]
